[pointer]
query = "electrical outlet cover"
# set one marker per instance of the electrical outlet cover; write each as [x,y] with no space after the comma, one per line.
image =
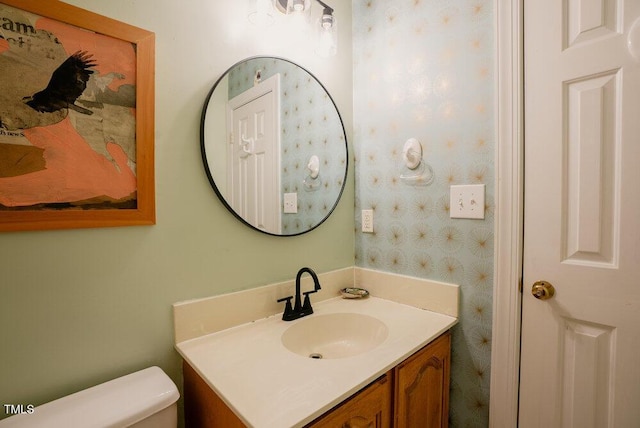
[290,203]
[367,221]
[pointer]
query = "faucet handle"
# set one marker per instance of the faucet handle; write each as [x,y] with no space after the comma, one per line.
[306,306]
[288,314]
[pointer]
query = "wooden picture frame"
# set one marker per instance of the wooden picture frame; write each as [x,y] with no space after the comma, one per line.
[86,34]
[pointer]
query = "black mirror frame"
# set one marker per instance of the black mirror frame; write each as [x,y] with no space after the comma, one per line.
[206,164]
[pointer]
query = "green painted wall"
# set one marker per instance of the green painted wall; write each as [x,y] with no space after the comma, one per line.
[80,307]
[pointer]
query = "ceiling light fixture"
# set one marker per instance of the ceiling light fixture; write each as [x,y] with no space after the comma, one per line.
[326,25]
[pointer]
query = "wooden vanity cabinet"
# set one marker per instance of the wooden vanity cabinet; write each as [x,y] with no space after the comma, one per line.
[414,394]
[202,406]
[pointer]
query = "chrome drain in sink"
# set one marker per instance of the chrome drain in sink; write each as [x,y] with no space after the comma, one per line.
[315,356]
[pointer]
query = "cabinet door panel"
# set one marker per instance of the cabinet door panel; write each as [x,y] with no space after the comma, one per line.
[370,408]
[422,387]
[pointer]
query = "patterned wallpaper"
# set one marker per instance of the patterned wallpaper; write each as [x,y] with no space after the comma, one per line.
[310,125]
[424,69]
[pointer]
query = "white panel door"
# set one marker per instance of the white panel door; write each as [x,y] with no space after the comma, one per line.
[254,158]
[579,356]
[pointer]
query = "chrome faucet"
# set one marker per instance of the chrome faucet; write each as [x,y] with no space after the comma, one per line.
[300,309]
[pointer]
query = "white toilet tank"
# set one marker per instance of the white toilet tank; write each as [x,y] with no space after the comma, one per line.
[143,399]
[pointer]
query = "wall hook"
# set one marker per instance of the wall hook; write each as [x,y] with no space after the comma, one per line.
[312,180]
[246,145]
[417,172]
[412,153]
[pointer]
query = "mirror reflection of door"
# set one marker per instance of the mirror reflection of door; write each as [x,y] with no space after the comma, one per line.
[253,155]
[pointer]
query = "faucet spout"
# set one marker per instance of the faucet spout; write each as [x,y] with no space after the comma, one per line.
[298,306]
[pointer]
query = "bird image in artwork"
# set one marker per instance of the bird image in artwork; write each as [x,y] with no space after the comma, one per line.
[67,83]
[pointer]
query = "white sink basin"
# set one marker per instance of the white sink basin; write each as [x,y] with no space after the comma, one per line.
[337,335]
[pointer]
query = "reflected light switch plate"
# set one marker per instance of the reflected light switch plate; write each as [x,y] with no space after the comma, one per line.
[290,203]
[467,201]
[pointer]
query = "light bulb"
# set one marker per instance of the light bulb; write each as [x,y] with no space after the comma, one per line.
[327,21]
[327,37]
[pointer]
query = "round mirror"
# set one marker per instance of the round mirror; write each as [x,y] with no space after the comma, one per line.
[274,146]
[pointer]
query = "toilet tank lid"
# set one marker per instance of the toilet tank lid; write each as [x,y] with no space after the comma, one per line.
[118,402]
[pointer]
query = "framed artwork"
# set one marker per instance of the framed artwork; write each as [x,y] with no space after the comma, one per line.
[76,119]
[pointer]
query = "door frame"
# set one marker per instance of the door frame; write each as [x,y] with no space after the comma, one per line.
[509,218]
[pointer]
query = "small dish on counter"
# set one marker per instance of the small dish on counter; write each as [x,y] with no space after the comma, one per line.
[354,293]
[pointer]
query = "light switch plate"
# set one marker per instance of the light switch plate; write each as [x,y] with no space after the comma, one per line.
[290,203]
[467,201]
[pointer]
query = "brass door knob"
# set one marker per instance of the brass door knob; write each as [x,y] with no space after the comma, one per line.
[543,290]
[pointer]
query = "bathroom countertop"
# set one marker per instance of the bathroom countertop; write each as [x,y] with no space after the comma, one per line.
[268,386]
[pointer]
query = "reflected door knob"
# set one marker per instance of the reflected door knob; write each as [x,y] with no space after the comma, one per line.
[543,290]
